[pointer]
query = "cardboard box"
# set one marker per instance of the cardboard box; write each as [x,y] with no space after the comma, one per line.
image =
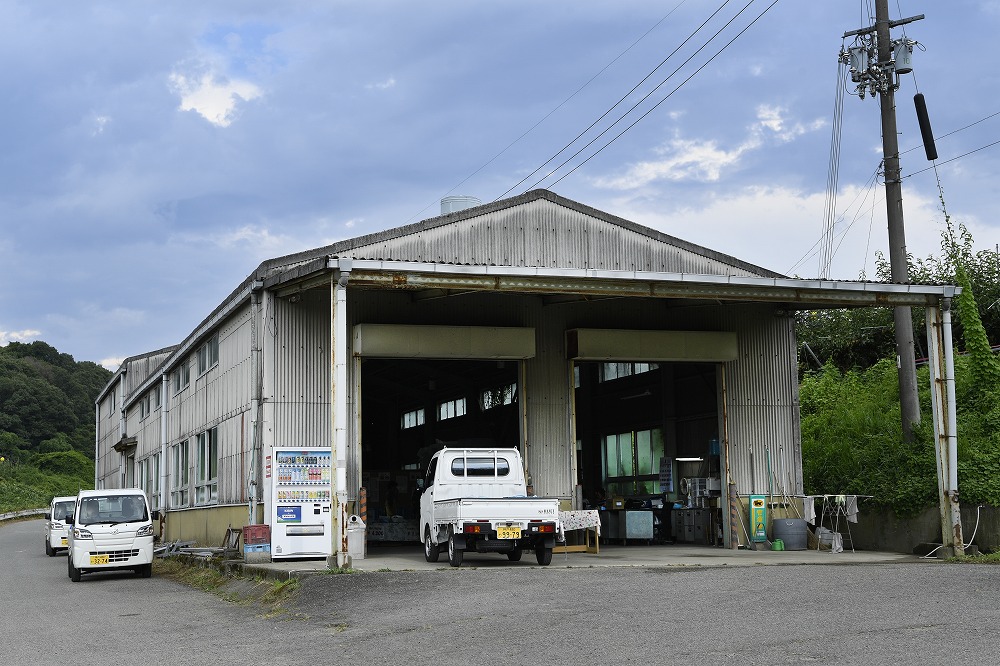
[616,503]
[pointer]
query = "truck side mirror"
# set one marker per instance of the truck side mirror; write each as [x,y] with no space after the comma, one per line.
[69,519]
[156,515]
[48,516]
[420,485]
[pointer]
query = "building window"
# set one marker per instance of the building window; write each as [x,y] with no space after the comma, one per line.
[144,406]
[208,355]
[611,371]
[149,479]
[181,377]
[632,462]
[179,474]
[207,485]
[451,409]
[498,397]
[157,396]
[412,419]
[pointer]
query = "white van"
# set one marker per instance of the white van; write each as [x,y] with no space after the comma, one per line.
[111,529]
[56,530]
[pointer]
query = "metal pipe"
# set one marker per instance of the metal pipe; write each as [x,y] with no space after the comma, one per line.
[339,399]
[164,414]
[952,432]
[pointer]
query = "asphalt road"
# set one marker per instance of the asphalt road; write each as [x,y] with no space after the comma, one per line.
[913,613]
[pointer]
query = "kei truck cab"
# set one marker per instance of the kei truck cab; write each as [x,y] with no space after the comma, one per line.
[111,529]
[56,529]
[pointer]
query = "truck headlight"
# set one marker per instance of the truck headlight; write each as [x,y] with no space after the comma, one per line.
[145,530]
[80,533]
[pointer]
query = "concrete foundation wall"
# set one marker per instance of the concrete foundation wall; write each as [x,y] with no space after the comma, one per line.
[881,529]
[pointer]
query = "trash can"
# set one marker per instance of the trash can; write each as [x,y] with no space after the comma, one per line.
[356,545]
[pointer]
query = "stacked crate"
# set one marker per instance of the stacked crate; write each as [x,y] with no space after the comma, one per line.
[256,543]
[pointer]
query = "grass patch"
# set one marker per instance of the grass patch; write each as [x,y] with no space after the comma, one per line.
[988,558]
[269,596]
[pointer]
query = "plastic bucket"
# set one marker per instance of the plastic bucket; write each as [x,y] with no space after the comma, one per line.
[777,544]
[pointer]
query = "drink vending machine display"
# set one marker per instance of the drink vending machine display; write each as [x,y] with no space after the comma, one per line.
[301,520]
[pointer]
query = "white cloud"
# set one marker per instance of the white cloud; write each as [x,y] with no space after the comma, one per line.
[703,160]
[6,337]
[384,85]
[215,99]
[259,240]
[100,122]
[112,363]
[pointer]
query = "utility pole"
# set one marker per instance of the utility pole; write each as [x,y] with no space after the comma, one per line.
[875,67]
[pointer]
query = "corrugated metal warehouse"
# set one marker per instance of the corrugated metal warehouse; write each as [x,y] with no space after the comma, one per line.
[622,362]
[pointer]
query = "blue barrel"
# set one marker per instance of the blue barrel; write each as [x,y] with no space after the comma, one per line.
[792,531]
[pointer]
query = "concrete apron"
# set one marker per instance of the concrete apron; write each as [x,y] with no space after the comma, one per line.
[411,558]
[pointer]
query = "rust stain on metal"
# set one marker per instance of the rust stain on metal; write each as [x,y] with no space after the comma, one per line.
[398,280]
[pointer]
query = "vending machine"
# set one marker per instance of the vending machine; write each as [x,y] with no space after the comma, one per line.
[301,520]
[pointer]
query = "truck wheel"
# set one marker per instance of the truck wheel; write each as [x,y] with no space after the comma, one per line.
[145,570]
[454,554]
[74,573]
[543,555]
[431,550]
[514,555]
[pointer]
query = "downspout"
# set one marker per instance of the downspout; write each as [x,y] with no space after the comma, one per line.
[97,440]
[122,471]
[255,402]
[952,432]
[164,463]
[338,351]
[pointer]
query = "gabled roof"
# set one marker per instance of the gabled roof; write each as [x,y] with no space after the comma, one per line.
[536,229]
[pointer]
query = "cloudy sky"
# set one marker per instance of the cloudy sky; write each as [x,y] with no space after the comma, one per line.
[155,152]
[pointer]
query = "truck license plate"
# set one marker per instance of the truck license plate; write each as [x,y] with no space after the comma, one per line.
[508,532]
[98,559]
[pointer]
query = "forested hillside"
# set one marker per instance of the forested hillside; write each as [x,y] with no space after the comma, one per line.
[46,400]
[46,424]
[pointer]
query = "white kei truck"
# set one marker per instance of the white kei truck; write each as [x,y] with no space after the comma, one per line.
[476,500]
[110,529]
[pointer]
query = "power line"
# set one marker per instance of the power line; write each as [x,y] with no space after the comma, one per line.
[558,106]
[655,106]
[958,157]
[623,98]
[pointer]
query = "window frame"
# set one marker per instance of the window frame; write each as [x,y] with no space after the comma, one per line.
[419,419]
[206,487]
[449,409]
[180,470]
[181,377]
[149,478]
[208,355]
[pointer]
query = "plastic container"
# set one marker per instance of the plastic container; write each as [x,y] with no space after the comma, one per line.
[792,531]
[256,534]
[356,538]
[777,544]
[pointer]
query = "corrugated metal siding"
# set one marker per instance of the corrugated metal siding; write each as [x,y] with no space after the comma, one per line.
[218,399]
[301,366]
[139,369]
[107,464]
[542,233]
[547,400]
[762,403]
